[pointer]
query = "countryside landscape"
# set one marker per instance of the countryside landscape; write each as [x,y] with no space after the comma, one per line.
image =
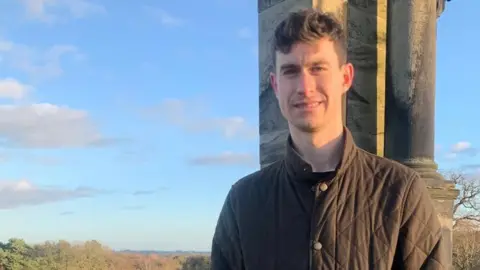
[16,254]
[123,124]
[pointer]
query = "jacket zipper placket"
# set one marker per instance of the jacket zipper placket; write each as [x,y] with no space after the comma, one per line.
[312,220]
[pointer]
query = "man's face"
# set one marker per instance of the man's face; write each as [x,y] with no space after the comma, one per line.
[309,83]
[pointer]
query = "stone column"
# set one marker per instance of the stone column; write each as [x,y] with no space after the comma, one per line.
[367,27]
[410,98]
[273,127]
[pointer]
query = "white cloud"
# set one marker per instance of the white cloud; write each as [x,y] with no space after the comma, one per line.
[50,10]
[187,116]
[165,18]
[36,63]
[14,194]
[46,125]
[226,158]
[461,146]
[12,89]
[144,192]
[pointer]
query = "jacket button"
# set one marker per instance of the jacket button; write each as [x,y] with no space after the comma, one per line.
[317,246]
[323,187]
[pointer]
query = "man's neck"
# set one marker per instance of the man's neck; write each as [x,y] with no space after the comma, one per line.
[322,150]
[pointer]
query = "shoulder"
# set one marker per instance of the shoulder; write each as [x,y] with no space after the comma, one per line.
[388,174]
[386,168]
[261,177]
[398,185]
[247,190]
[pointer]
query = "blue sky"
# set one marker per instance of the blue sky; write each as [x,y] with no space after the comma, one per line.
[128,121]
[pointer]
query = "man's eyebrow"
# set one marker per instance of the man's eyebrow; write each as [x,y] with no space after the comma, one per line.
[318,62]
[310,63]
[289,66]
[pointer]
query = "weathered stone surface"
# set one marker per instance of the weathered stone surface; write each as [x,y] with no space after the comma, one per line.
[336,7]
[447,223]
[411,80]
[410,99]
[264,4]
[440,7]
[443,202]
[273,128]
[368,6]
[367,29]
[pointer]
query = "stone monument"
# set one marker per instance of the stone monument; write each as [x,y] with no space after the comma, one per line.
[391,105]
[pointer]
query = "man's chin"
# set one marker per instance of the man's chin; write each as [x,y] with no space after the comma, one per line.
[308,127]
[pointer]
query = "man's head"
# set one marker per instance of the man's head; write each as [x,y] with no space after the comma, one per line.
[311,70]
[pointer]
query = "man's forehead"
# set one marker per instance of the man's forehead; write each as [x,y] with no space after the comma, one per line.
[302,58]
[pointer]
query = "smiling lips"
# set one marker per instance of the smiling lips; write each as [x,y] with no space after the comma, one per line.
[309,105]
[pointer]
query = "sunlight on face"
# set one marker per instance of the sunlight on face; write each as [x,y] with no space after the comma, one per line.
[309,83]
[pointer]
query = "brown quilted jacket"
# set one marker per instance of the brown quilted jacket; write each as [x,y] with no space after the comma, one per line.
[374,214]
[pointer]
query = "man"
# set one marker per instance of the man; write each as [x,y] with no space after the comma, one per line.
[327,204]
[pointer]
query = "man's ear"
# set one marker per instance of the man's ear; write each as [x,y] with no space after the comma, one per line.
[273,82]
[348,75]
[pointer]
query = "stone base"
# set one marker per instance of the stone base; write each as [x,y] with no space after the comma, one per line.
[427,169]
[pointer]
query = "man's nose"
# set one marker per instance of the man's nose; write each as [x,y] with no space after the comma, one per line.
[306,84]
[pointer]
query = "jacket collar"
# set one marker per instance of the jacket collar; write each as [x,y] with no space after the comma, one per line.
[298,168]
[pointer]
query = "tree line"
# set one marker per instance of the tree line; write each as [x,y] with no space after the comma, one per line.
[16,254]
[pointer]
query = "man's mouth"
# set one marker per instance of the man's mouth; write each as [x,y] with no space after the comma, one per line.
[307,105]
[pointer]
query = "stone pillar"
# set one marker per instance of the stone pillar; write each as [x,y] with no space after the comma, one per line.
[410,98]
[273,127]
[367,32]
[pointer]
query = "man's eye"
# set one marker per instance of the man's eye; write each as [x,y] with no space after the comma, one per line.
[289,71]
[316,69]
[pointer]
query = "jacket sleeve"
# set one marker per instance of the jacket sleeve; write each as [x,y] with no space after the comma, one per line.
[420,243]
[226,251]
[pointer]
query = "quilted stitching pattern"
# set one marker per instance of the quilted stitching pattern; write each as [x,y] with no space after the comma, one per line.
[422,244]
[363,208]
[354,210]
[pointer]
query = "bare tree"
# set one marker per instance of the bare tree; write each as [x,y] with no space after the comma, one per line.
[467,204]
[196,263]
[466,221]
[466,247]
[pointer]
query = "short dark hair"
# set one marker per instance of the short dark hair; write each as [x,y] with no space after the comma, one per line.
[308,25]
